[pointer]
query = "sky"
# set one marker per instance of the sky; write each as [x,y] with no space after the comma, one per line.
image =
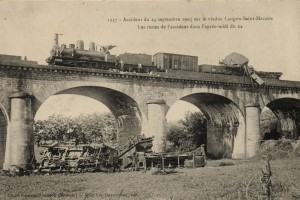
[74,105]
[27,29]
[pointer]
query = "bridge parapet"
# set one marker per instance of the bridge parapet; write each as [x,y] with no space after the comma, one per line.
[196,78]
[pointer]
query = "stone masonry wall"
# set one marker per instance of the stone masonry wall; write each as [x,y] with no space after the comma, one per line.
[45,81]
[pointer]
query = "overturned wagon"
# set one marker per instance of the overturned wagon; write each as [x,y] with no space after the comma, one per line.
[103,157]
[79,158]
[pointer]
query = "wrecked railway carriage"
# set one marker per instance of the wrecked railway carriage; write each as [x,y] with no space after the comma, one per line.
[78,158]
[105,158]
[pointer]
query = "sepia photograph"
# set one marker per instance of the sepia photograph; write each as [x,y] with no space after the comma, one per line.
[154,100]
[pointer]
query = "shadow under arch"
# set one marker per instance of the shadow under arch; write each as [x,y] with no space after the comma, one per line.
[269,125]
[287,110]
[225,124]
[4,128]
[126,111]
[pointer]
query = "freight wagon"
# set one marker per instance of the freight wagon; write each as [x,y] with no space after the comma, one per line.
[165,61]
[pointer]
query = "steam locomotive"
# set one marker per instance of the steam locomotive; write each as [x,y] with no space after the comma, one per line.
[97,57]
[100,58]
[74,56]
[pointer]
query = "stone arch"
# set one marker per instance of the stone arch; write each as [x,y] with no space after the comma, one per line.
[125,109]
[236,97]
[287,110]
[225,124]
[43,92]
[266,96]
[4,129]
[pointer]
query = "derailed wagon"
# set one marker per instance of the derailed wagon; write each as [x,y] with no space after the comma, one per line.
[79,158]
[103,157]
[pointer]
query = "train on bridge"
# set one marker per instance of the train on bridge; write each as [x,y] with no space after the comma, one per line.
[99,57]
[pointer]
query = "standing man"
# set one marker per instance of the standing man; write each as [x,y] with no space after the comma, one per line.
[201,153]
[202,150]
[266,178]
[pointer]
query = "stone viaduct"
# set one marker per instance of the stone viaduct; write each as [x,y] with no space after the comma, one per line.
[231,104]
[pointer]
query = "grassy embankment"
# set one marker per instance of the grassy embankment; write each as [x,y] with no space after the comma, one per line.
[238,180]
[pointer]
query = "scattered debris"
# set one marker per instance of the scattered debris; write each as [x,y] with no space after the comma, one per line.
[164,172]
[221,164]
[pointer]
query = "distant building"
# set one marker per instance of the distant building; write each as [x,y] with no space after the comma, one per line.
[175,61]
[15,59]
[135,59]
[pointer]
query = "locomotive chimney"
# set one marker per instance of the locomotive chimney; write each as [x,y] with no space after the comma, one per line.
[80,45]
[92,46]
[55,39]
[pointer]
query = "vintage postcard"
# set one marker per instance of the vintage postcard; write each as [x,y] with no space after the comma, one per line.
[150,99]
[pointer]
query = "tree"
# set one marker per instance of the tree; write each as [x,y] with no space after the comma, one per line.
[195,127]
[189,133]
[175,135]
[84,128]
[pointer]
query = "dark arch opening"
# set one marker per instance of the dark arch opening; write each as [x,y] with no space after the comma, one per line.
[269,125]
[225,124]
[287,110]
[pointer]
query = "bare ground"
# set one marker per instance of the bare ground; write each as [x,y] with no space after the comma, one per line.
[235,180]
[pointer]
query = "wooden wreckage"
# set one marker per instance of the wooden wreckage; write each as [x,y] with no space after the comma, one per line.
[69,157]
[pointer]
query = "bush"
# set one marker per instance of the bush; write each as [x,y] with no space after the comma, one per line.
[277,149]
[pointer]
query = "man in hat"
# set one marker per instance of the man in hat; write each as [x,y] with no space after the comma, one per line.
[199,156]
[266,177]
[200,151]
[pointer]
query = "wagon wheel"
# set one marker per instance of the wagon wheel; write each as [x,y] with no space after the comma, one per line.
[60,168]
[44,163]
[67,168]
[97,166]
[76,167]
